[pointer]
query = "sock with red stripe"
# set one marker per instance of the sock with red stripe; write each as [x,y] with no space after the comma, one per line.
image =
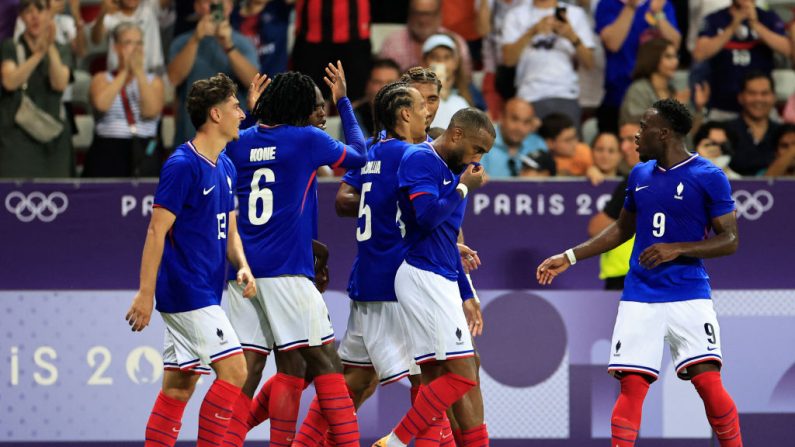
[258,411]
[285,398]
[721,411]
[239,425]
[457,436]
[475,437]
[165,422]
[216,413]
[337,407]
[625,421]
[447,439]
[431,403]
[313,429]
[431,435]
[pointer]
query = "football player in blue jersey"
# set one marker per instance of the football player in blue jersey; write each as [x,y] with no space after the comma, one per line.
[673,200]
[191,233]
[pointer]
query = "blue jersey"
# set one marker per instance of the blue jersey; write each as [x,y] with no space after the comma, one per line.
[199,192]
[673,205]
[379,230]
[422,171]
[277,194]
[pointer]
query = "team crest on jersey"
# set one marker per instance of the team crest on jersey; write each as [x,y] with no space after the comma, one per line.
[679,189]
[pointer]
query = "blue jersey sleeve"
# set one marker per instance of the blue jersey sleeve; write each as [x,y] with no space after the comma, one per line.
[629,195]
[353,178]
[418,173]
[350,127]
[464,287]
[719,194]
[176,180]
[325,150]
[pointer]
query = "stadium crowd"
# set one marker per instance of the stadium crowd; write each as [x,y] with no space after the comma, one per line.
[96,88]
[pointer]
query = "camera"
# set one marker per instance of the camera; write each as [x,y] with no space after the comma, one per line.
[217,11]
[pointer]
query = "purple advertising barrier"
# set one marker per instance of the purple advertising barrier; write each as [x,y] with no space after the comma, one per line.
[89,235]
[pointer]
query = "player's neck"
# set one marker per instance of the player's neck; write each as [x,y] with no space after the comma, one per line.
[209,145]
[673,156]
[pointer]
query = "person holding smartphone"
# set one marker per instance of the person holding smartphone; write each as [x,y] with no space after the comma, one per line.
[545,41]
[114,12]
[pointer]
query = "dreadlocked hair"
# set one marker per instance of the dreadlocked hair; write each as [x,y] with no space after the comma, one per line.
[421,75]
[289,99]
[386,105]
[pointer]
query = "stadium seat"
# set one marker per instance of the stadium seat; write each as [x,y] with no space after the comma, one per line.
[784,79]
[85,132]
[379,33]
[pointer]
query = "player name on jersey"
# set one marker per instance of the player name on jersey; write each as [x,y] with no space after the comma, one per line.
[262,154]
[372,167]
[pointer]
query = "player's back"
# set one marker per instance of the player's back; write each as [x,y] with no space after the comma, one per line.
[276,180]
[379,229]
[673,205]
[423,171]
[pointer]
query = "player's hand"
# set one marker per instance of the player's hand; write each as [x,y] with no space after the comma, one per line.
[244,276]
[469,258]
[655,255]
[656,6]
[140,311]
[258,85]
[551,267]
[322,278]
[335,79]
[474,177]
[474,317]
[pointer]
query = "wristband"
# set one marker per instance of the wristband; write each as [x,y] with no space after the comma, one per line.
[570,256]
[463,188]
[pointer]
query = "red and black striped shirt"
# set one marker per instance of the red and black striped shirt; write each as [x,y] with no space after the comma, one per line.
[336,21]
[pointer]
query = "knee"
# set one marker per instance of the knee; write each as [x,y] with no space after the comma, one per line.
[291,363]
[180,394]
[237,376]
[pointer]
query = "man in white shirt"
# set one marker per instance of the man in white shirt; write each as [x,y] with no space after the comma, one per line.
[142,13]
[545,40]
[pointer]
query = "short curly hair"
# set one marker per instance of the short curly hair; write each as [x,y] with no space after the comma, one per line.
[290,99]
[675,114]
[207,93]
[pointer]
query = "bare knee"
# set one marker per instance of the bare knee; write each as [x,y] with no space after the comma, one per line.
[291,363]
[232,370]
[255,363]
[362,382]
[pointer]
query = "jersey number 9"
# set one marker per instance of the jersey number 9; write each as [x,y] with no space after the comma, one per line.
[658,221]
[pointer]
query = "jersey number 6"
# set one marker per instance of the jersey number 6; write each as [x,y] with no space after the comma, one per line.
[264,194]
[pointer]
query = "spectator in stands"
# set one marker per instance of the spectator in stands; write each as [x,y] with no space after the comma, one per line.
[114,12]
[213,47]
[614,265]
[470,19]
[756,132]
[735,41]
[36,66]
[652,80]
[606,154]
[560,136]
[265,23]
[383,72]
[714,142]
[545,40]
[537,164]
[784,163]
[425,19]
[623,25]
[127,105]
[68,27]
[516,138]
[329,31]
[441,54]
[492,61]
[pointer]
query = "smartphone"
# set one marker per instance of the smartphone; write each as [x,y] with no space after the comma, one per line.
[217,11]
[560,13]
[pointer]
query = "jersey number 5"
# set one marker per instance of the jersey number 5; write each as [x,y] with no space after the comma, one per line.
[363,234]
[263,194]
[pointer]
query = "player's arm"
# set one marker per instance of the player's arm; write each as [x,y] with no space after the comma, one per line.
[469,257]
[141,309]
[723,243]
[470,302]
[320,253]
[236,255]
[611,237]
[355,155]
[347,200]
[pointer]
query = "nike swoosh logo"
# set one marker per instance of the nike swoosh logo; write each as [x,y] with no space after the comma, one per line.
[446,182]
[207,191]
[174,430]
[445,437]
[711,349]
[638,188]
[222,418]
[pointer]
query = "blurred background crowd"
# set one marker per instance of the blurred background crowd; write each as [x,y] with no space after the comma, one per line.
[94,88]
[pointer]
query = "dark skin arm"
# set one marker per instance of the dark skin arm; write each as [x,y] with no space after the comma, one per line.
[320,252]
[725,242]
[347,201]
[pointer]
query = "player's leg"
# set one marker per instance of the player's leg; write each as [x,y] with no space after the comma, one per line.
[165,419]
[695,347]
[362,383]
[471,403]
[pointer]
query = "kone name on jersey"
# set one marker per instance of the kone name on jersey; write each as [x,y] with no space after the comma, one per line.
[372,167]
[262,154]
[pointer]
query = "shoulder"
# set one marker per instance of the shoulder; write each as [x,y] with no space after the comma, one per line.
[242,41]
[770,19]
[703,167]
[717,16]
[419,154]
[180,161]
[226,162]
[574,12]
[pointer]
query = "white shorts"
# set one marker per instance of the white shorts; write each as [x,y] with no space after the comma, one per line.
[295,312]
[249,320]
[376,338]
[690,328]
[434,316]
[197,338]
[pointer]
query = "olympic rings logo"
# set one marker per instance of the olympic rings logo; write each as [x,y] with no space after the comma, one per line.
[752,205]
[36,205]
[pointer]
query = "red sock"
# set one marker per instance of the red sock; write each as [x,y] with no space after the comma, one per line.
[337,408]
[721,411]
[164,422]
[238,426]
[625,422]
[447,439]
[475,437]
[431,403]
[216,413]
[258,411]
[314,427]
[457,436]
[283,406]
[431,435]
[414,391]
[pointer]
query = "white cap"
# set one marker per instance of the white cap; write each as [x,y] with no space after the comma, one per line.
[438,40]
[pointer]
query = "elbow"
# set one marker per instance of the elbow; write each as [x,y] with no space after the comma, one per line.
[345,207]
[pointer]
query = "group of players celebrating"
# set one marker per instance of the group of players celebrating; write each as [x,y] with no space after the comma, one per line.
[413,312]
